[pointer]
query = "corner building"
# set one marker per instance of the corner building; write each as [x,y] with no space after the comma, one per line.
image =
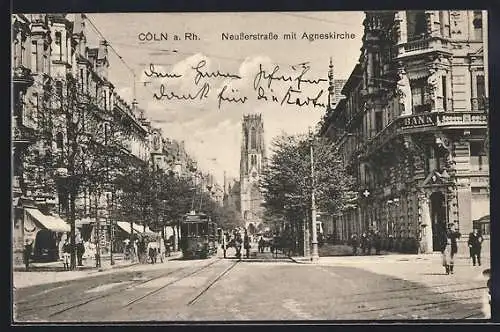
[413,127]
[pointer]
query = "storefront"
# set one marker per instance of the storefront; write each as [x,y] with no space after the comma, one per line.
[45,232]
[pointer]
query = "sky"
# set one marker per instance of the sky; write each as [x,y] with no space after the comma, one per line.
[212,132]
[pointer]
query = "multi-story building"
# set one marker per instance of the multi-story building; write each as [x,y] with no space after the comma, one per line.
[413,126]
[50,57]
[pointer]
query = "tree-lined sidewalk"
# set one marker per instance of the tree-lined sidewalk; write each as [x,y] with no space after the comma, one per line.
[287,184]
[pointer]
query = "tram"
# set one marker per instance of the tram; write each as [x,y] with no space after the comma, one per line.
[198,236]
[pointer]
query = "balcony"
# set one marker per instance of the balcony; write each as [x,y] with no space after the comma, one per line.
[16,185]
[423,122]
[22,76]
[422,46]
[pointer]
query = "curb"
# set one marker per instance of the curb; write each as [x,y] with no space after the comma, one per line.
[269,260]
[115,267]
[302,260]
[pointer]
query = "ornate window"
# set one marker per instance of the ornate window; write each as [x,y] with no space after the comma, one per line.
[58,42]
[419,96]
[480,90]
[34,57]
[478,157]
[478,25]
[253,138]
[416,24]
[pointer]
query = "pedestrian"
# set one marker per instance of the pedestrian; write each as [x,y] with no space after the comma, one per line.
[377,242]
[364,243]
[80,250]
[151,252]
[28,249]
[475,242]
[390,242]
[238,242]
[167,247]
[449,241]
[66,254]
[354,244]
[246,243]
[261,244]
[369,242]
[224,244]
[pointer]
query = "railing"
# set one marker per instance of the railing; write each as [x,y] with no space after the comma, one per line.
[21,74]
[421,46]
[416,45]
[423,121]
[16,184]
[462,118]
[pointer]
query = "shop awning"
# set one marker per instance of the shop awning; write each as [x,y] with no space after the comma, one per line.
[125,226]
[138,229]
[52,223]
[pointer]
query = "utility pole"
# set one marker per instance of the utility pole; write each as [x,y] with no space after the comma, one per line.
[315,254]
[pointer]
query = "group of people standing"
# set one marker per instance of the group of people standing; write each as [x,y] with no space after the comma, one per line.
[236,241]
[366,242]
[147,251]
[448,245]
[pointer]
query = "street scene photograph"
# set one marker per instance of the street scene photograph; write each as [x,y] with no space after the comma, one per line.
[246,167]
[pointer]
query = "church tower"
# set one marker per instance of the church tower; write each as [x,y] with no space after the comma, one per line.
[253,159]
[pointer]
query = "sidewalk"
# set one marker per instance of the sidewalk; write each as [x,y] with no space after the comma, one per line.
[424,268]
[48,273]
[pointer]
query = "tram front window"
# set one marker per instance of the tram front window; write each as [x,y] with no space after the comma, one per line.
[193,229]
[202,227]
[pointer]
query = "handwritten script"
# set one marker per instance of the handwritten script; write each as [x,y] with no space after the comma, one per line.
[265,83]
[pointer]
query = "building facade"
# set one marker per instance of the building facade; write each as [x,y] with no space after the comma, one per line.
[54,74]
[413,127]
[253,159]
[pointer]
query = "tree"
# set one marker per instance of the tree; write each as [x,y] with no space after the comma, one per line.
[287,186]
[82,154]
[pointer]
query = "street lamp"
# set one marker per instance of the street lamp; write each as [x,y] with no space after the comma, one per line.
[109,199]
[314,254]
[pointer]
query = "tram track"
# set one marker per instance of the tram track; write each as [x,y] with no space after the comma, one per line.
[79,302]
[213,282]
[182,278]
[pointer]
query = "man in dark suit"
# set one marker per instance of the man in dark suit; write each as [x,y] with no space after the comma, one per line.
[475,241]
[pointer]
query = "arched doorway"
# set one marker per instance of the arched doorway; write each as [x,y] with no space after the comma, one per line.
[438,217]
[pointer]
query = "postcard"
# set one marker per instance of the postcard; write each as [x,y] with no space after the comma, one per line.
[250,166]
